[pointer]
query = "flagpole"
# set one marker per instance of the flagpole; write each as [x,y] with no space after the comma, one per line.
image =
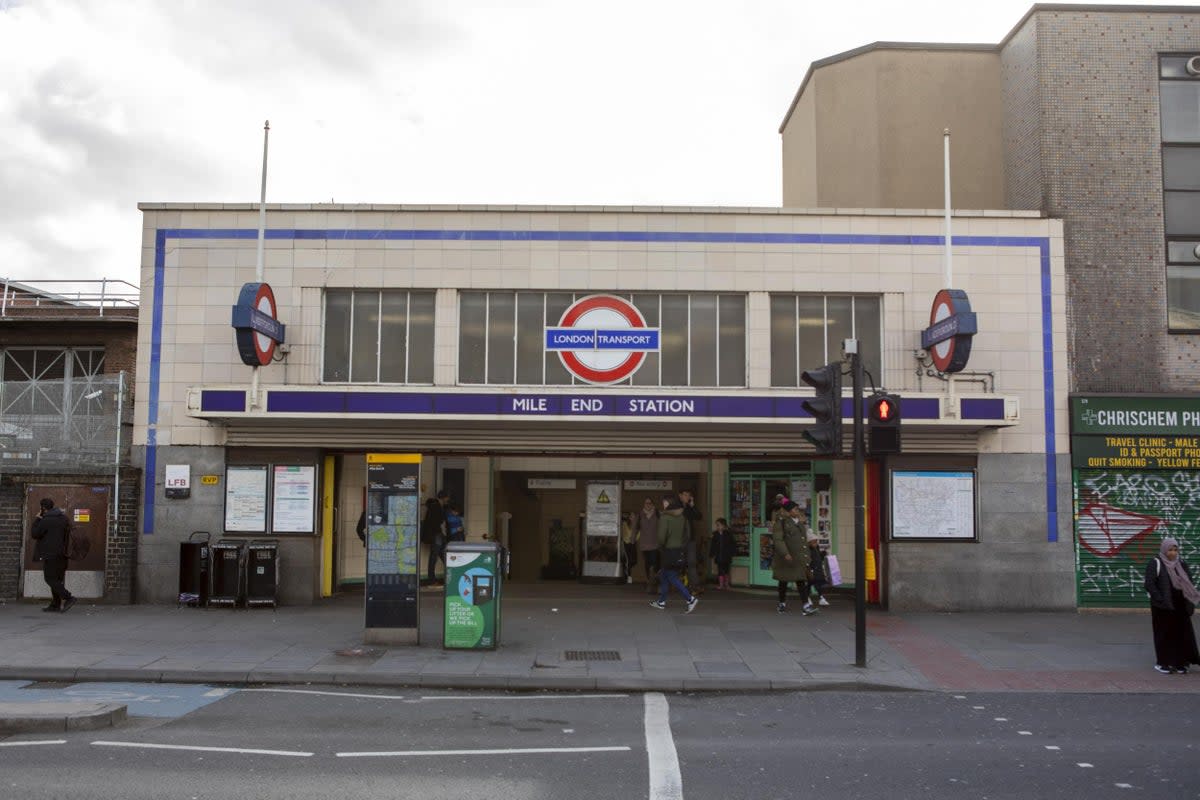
[946,172]
[262,235]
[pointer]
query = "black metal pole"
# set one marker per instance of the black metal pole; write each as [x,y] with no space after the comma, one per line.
[860,538]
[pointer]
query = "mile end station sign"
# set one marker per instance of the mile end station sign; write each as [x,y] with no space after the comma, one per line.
[1134,433]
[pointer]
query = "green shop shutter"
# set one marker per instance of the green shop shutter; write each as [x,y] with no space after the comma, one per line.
[1121,519]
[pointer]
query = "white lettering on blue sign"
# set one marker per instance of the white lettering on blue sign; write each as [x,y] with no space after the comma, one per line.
[661,406]
[586,405]
[530,404]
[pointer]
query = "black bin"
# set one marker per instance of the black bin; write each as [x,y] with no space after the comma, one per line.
[227,571]
[193,569]
[262,572]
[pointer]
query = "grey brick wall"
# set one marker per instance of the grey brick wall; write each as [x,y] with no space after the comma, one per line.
[1095,92]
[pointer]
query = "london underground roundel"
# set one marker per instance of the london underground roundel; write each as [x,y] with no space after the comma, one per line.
[602,339]
[257,325]
[952,324]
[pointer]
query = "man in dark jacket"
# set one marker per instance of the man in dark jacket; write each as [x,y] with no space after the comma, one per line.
[433,530]
[696,542]
[50,531]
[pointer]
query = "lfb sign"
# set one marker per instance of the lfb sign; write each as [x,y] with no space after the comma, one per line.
[602,339]
[256,319]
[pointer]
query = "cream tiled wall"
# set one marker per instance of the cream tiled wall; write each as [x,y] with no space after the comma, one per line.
[202,277]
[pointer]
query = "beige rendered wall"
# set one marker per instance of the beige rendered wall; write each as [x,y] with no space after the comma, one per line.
[877,121]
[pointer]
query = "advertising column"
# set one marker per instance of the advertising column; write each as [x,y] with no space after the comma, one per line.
[393,580]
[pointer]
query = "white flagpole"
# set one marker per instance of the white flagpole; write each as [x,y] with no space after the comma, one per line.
[262,235]
[946,170]
[262,207]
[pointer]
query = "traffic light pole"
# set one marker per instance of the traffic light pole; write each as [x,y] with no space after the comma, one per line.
[860,538]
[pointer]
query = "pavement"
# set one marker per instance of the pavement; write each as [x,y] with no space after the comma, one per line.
[574,637]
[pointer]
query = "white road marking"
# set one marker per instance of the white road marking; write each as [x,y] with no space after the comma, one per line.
[1025,733]
[1053,747]
[328,694]
[960,697]
[217,692]
[1001,719]
[498,752]
[241,750]
[666,783]
[568,730]
[1084,764]
[524,697]
[1123,785]
[27,744]
[979,708]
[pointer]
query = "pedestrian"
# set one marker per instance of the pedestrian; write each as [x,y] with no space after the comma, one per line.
[433,531]
[51,530]
[722,547]
[816,567]
[671,533]
[1173,598]
[696,542]
[456,530]
[646,532]
[629,543]
[791,562]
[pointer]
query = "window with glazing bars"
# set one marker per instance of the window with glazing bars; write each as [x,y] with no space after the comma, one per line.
[374,336]
[807,331]
[1179,109]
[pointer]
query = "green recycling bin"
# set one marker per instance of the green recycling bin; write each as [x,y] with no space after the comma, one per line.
[471,620]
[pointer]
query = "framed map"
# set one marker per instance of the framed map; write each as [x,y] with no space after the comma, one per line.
[933,504]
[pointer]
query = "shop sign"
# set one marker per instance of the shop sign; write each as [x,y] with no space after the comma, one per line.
[1143,415]
[602,339]
[1136,452]
[257,325]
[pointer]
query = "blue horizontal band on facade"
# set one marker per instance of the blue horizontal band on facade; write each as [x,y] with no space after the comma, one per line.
[572,406]
[223,400]
[645,237]
[976,408]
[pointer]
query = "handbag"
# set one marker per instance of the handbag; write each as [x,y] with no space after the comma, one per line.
[835,570]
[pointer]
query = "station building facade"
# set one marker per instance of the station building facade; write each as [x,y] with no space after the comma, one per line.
[416,329]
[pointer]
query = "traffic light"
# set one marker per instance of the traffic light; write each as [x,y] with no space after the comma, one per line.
[826,408]
[883,424]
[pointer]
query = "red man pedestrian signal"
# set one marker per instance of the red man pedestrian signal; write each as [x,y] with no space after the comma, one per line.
[883,424]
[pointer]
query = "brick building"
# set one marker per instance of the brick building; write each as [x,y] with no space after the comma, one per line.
[67,355]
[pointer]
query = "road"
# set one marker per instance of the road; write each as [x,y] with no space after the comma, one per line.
[359,742]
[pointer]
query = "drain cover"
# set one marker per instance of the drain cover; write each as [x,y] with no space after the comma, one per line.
[592,655]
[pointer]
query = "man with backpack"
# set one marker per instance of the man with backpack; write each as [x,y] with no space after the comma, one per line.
[51,531]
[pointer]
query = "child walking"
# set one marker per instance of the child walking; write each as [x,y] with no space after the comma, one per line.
[816,560]
[722,549]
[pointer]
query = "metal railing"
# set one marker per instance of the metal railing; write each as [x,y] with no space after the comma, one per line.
[89,295]
[73,425]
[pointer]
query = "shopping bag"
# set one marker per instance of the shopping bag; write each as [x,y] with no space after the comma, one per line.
[835,570]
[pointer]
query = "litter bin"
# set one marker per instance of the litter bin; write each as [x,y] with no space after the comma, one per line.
[193,569]
[262,572]
[471,620]
[228,564]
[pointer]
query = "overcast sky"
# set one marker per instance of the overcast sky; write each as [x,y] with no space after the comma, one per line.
[107,103]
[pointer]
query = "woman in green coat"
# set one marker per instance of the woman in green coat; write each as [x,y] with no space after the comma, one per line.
[791,561]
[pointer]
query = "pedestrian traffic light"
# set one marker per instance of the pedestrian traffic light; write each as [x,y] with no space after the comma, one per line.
[826,408]
[883,424]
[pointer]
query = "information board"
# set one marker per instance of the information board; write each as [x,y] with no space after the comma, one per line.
[246,499]
[933,504]
[392,580]
[293,499]
[602,540]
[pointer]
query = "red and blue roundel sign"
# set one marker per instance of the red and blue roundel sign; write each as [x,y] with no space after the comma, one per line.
[952,325]
[256,319]
[602,339]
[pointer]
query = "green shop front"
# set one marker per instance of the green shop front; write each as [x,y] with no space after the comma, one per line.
[753,489]
[1136,479]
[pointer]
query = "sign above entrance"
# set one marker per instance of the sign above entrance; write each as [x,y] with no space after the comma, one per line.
[551,483]
[602,339]
[256,319]
[635,485]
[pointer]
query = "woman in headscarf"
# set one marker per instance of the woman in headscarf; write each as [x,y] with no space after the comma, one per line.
[1173,598]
